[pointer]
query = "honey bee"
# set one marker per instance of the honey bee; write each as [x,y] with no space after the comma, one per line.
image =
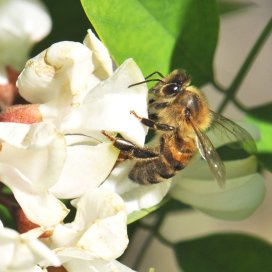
[181,113]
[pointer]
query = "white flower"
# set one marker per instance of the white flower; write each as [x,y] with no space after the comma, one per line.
[136,196]
[22,252]
[96,237]
[68,79]
[73,95]
[101,57]
[22,23]
[96,265]
[31,161]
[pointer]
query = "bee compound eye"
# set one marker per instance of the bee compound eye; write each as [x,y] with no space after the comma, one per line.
[171,89]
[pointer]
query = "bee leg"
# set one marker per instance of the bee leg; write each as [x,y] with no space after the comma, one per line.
[152,103]
[131,150]
[152,124]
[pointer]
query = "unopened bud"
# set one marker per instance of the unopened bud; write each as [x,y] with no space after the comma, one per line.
[26,114]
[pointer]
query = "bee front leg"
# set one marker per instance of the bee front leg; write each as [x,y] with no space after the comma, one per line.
[152,124]
[131,150]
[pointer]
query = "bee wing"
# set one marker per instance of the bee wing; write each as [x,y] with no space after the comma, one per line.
[209,153]
[234,132]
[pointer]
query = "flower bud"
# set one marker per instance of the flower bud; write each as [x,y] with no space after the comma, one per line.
[27,114]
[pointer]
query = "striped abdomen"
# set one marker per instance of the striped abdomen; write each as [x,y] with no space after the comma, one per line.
[175,154]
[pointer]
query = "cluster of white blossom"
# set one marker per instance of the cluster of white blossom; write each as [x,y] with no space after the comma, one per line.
[53,149]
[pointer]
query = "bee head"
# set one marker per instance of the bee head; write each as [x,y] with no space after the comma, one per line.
[172,85]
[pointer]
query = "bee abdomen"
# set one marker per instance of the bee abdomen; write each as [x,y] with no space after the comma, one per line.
[156,170]
[172,158]
[150,172]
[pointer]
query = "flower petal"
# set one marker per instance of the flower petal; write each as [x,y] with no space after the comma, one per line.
[39,206]
[102,204]
[108,105]
[136,196]
[101,57]
[38,151]
[59,75]
[96,265]
[31,161]
[99,229]
[34,21]
[19,33]
[107,237]
[74,254]
[86,167]
[237,201]
[23,252]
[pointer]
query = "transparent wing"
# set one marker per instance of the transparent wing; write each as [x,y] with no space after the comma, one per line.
[234,132]
[209,153]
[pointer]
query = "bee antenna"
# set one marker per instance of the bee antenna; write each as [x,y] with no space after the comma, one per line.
[149,80]
[145,81]
[154,73]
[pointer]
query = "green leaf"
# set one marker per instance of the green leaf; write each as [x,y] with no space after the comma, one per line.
[159,35]
[262,113]
[166,205]
[172,205]
[137,215]
[228,153]
[264,145]
[224,253]
[6,217]
[265,128]
[69,23]
[227,6]
[265,160]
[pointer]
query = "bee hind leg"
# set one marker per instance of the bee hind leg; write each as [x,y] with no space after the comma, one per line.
[130,150]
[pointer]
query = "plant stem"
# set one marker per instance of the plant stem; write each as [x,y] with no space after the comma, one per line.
[232,90]
[237,103]
[142,252]
[158,235]
[164,240]
[219,87]
[153,231]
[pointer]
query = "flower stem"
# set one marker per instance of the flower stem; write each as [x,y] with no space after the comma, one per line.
[153,230]
[158,235]
[142,252]
[164,240]
[219,87]
[232,90]
[237,103]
